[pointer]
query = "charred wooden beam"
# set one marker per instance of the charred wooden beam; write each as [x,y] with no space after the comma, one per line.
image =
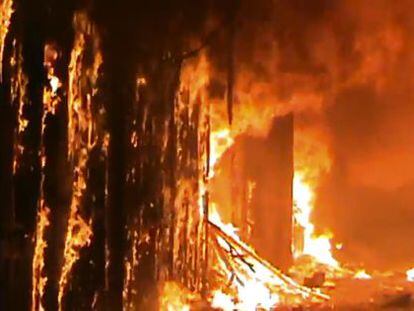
[272,169]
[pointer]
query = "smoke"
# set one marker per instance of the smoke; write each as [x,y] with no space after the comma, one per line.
[346,69]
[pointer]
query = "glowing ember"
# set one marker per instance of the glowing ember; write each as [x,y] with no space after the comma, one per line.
[38,279]
[319,247]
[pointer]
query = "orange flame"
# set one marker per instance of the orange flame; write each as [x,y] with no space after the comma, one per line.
[38,279]
[81,139]
[6,11]
[175,297]
[50,101]
[319,247]
[263,286]
[259,285]
[18,83]
[311,162]
[78,235]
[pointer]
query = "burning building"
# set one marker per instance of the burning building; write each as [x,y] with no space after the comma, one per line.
[181,155]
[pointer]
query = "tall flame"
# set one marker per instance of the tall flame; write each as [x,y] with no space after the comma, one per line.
[81,140]
[6,11]
[50,101]
[38,279]
[18,85]
[312,160]
[319,247]
[240,279]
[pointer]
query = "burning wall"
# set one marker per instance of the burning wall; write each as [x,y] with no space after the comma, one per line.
[253,190]
[344,70]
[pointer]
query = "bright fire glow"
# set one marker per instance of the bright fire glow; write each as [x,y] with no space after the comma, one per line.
[220,141]
[410,275]
[252,286]
[240,278]
[362,275]
[319,247]
[175,298]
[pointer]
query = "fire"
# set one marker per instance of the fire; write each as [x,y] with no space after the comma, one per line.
[223,301]
[81,139]
[6,11]
[239,278]
[252,289]
[319,247]
[18,85]
[78,235]
[38,279]
[256,284]
[252,282]
[253,295]
[410,275]
[362,275]
[130,266]
[175,297]
[220,141]
[50,102]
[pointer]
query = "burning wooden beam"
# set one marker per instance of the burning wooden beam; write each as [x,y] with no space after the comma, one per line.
[243,265]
